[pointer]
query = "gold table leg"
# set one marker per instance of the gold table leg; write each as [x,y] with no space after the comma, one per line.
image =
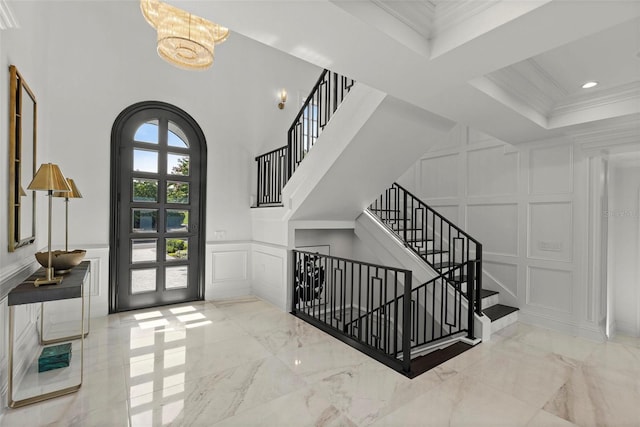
[51,394]
[70,337]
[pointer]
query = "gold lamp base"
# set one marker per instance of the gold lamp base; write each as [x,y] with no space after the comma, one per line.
[48,279]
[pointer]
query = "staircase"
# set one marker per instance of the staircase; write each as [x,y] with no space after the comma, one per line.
[442,245]
[407,321]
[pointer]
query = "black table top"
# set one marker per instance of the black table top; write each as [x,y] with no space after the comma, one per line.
[71,287]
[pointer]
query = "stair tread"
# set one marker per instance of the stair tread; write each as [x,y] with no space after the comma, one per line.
[430,251]
[446,264]
[485,293]
[422,364]
[499,311]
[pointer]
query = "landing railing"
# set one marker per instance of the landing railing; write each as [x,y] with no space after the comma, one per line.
[276,167]
[437,311]
[371,306]
[435,239]
[272,176]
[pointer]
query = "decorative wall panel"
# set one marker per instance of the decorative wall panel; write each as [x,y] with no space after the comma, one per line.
[551,170]
[439,177]
[504,274]
[496,226]
[550,231]
[550,288]
[491,171]
[230,265]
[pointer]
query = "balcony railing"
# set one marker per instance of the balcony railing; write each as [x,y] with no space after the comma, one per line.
[277,166]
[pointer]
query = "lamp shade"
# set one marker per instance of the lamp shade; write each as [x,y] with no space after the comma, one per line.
[49,178]
[73,194]
[22,192]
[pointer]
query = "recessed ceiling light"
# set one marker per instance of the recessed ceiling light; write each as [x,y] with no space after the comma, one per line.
[589,85]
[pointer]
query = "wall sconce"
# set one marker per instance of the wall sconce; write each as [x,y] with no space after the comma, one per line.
[283,98]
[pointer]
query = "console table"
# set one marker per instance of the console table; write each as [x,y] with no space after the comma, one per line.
[73,286]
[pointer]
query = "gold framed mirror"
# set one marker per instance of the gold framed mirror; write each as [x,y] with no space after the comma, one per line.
[22,161]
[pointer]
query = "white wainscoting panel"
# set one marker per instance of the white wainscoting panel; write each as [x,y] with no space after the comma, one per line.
[230,265]
[450,212]
[496,226]
[439,176]
[550,289]
[551,231]
[551,170]
[491,172]
[504,274]
[4,346]
[227,270]
[269,274]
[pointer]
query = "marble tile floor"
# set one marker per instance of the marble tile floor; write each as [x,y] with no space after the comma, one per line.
[243,362]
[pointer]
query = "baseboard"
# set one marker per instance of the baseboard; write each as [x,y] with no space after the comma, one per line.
[226,290]
[591,332]
[627,328]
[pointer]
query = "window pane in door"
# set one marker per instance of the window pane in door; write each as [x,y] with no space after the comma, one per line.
[177,220]
[176,137]
[176,277]
[147,132]
[144,220]
[177,192]
[176,249]
[145,190]
[177,164]
[145,160]
[143,280]
[143,250]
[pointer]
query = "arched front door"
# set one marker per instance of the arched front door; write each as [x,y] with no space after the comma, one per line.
[158,176]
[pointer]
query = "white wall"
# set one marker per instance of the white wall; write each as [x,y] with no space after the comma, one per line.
[527,205]
[87,61]
[624,244]
[343,243]
[18,49]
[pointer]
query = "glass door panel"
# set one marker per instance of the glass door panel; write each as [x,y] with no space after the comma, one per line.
[159,201]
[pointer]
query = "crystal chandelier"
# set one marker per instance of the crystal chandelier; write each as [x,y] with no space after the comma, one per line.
[184,40]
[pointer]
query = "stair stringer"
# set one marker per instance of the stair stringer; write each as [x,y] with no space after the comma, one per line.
[391,251]
[371,140]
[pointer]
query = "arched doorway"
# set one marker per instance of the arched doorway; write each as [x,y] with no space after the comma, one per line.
[158,179]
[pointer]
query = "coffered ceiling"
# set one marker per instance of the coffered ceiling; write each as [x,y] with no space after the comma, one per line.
[510,68]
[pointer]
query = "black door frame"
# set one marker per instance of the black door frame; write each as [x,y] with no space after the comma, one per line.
[114,220]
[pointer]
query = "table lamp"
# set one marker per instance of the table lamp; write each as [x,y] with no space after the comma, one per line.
[73,194]
[49,178]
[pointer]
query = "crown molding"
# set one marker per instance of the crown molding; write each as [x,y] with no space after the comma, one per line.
[603,98]
[607,133]
[7,18]
[451,13]
[513,82]
[425,29]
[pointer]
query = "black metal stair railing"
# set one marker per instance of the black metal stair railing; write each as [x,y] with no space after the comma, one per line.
[436,310]
[435,239]
[277,166]
[374,308]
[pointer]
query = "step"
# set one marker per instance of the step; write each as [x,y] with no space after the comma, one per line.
[501,316]
[489,298]
[445,265]
[422,364]
[422,251]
